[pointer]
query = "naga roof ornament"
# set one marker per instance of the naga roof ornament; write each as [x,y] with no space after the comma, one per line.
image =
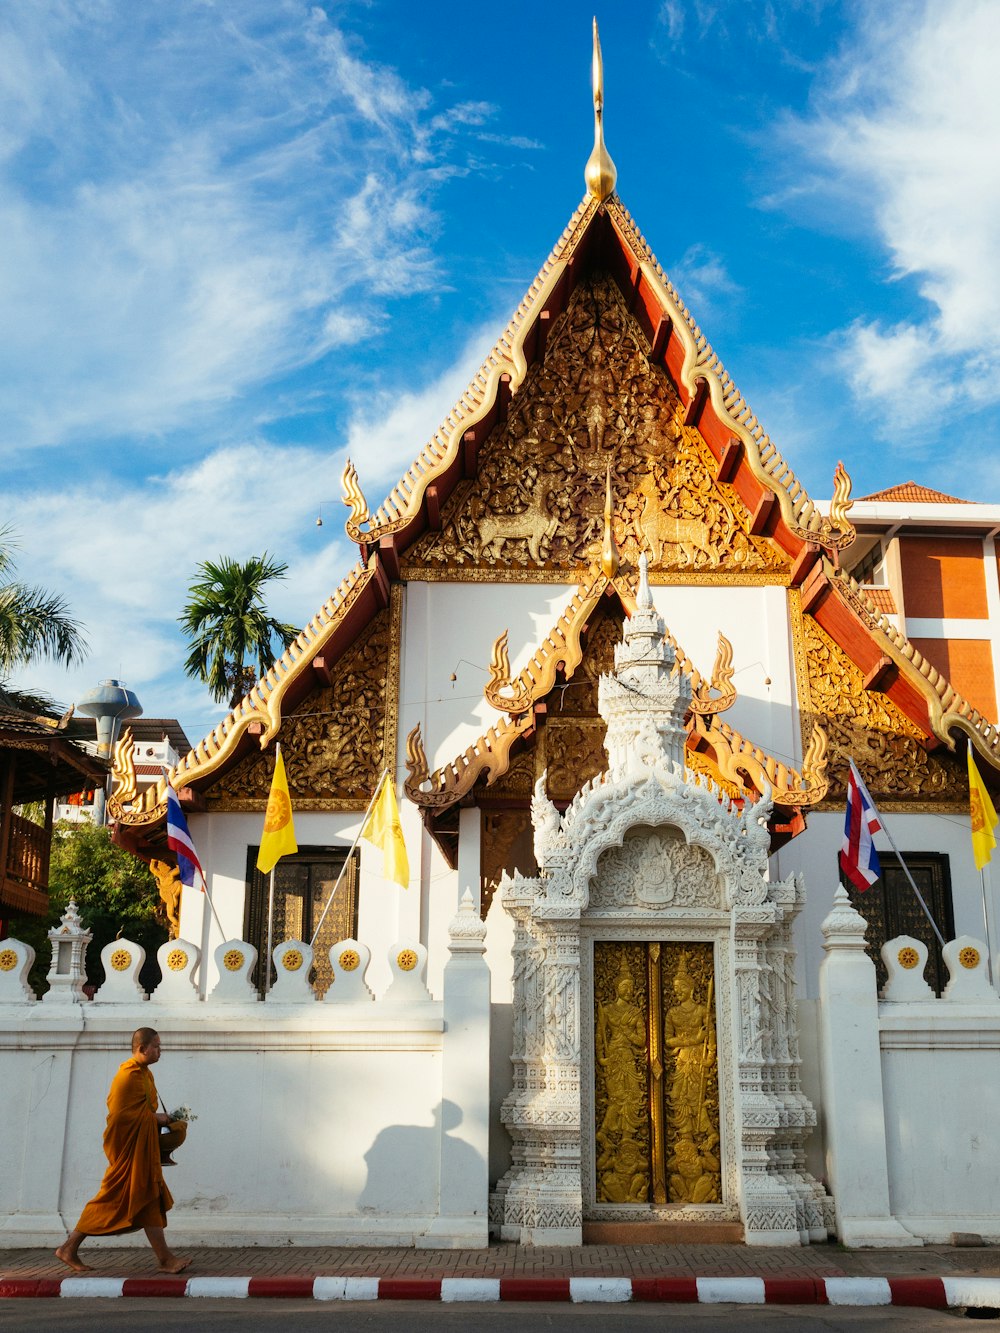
[599,173]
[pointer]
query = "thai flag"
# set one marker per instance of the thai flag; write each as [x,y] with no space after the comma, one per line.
[179,841]
[858,857]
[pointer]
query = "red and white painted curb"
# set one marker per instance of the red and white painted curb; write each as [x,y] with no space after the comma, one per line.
[927,1292]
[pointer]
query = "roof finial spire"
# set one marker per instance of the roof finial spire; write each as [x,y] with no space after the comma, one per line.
[600,173]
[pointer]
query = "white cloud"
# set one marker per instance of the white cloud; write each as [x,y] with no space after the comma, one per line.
[701,278]
[124,553]
[386,434]
[192,208]
[908,124]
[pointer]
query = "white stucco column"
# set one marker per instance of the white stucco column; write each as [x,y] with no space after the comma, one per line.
[464,1111]
[851,1069]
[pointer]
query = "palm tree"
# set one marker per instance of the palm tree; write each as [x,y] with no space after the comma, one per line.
[227,623]
[34,623]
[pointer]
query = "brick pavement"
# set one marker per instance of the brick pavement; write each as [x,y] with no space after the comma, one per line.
[515,1261]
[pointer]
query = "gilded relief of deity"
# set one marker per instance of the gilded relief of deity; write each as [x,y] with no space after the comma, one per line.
[692,1091]
[537,503]
[656,1080]
[620,1051]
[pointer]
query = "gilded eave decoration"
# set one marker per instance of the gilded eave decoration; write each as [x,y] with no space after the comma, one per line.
[702,364]
[507,358]
[594,414]
[866,725]
[337,741]
[261,709]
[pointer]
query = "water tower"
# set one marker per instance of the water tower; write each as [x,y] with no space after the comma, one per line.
[109,704]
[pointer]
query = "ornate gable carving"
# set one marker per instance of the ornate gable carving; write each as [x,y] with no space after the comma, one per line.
[336,743]
[887,747]
[656,869]
[535,509]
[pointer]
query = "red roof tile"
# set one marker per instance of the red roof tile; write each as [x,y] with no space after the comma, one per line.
[910,491]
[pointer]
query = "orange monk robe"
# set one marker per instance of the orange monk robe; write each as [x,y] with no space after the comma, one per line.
[132,1193]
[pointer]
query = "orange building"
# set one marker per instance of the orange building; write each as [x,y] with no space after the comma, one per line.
[929,561]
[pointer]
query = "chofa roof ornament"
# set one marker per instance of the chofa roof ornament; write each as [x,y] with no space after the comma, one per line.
[599,173]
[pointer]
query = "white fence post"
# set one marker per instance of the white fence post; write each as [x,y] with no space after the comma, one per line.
[465,1088]
[851,1068]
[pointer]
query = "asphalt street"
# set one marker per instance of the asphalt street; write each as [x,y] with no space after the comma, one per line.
[288,1316]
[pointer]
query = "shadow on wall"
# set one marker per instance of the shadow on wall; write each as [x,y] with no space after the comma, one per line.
[397,1160]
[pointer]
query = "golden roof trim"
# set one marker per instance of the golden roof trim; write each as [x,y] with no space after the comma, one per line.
[262,704]
[702,363]
[489,754]
[735,755]
[563,645]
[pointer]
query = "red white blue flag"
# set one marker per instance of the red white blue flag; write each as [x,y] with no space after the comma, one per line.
[179,842]
[858,857]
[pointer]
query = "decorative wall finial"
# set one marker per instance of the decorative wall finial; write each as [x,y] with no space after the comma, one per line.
[600,173]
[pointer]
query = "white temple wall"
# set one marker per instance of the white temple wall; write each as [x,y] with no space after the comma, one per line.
[302,1133]
[343,1122]
[909,1084]
[941,1087]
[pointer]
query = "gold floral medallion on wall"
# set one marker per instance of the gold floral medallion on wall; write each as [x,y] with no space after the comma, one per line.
[536,506]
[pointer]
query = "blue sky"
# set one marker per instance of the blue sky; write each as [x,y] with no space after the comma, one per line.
[246,238]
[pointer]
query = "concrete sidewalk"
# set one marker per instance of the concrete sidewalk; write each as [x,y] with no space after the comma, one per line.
[932,1275]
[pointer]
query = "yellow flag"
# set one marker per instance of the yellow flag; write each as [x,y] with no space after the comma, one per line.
[383,829]
[278,838]
[982,814]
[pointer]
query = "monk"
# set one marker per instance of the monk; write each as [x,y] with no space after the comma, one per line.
[132,1193]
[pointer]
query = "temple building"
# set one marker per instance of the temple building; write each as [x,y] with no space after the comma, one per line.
[617,662]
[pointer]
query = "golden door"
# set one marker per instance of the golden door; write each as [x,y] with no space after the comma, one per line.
[656,1075]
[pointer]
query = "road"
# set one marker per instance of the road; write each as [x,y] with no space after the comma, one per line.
[265,1316]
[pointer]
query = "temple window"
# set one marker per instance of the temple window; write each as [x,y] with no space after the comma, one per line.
[890,907]
[302,887]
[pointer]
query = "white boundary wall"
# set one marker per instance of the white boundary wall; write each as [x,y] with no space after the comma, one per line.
[911,1087]
[350,1123]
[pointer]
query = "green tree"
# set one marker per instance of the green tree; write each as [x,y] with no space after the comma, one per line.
[232,636]
[114,891]
[34,623]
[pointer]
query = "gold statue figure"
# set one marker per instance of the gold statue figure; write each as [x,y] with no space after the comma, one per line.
[622,1155]
[692,1128]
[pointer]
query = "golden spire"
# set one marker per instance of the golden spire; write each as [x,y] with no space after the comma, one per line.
[609,552]
[599,173]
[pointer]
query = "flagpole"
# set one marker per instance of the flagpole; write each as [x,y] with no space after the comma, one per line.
[212,906]
[347,859]
[913,882]
[270,925]
[986,926]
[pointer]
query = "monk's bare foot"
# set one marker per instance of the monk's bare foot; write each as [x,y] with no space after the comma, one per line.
[72,1261]
[174,1265]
